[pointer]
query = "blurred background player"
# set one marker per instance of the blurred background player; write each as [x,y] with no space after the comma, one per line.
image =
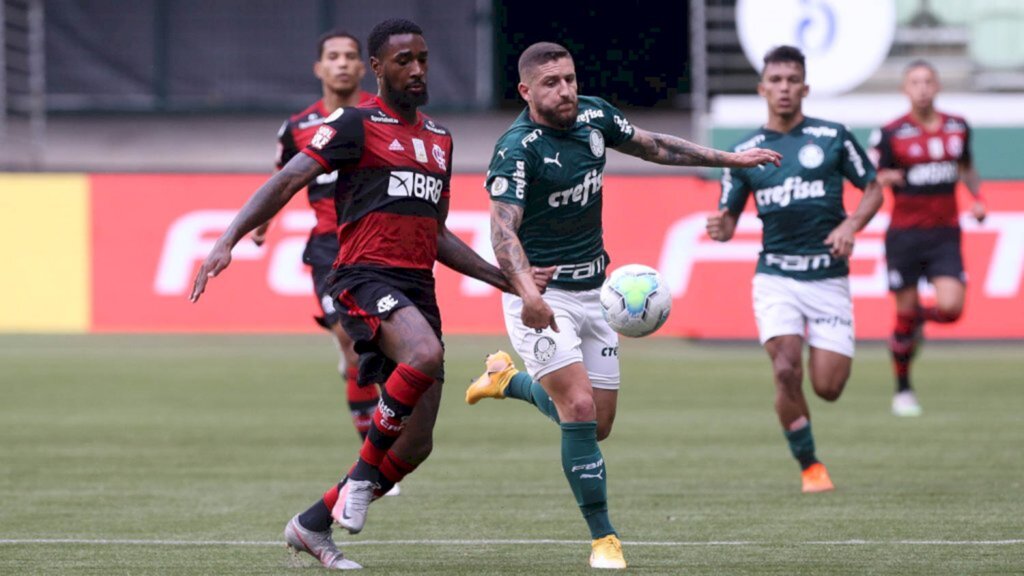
[340,68]
[545,180]
[801,285]
[921,156]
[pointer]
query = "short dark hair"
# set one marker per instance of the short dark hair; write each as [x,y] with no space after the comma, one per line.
[785,53]
[540,53]
[322,41]
[385,30]
[920,63]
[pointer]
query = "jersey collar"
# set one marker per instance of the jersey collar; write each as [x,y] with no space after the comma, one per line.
[378,101]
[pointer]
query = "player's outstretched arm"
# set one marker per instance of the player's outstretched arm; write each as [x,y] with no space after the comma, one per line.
[841,238]
[505,221]
[675,151]
[261,206]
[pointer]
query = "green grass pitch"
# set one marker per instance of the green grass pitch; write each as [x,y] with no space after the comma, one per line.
[186,455]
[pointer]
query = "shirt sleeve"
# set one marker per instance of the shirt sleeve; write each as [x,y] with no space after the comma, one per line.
[735,190]
[508,175]
[446,192]
[614,125]
[881,148]
[339,140]
[967,157]
[856,166]
[286,148]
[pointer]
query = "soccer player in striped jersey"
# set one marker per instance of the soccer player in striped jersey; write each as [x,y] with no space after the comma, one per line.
[921,157]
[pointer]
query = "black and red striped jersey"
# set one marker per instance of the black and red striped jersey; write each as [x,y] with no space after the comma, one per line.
[294,135]
[391,177]
[930,161]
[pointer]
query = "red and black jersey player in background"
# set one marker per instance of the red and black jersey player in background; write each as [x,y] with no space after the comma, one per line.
[340,69]
[921,156]
[392,197]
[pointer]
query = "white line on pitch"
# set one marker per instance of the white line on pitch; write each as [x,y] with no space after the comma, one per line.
[130,542]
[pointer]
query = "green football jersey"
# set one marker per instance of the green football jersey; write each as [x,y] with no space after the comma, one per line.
[800,202]
[556,176]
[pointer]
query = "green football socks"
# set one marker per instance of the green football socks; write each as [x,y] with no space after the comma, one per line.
[523,387]
[584,468]
[801,444]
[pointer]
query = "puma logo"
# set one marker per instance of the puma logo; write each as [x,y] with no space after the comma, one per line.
[553,160]
[599,475]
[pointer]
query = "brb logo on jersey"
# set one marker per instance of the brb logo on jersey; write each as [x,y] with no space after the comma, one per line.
[405,184]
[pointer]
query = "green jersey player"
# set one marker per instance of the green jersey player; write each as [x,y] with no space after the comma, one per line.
[545,183]
[801,285]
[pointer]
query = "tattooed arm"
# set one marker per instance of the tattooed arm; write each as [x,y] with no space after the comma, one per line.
[505,221]
[672,150]
[263,205]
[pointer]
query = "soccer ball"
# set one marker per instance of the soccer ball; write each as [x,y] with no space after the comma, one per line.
[635,300]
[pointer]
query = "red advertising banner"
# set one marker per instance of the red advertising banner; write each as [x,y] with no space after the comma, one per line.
[150,232]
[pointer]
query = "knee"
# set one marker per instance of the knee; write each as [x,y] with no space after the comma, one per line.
[949,313]
[580,408]
[788,374]
[604,430]
[427,356]
[830,393]
[831,388]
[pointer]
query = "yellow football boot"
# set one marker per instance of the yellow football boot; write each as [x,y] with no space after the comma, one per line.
[493,382]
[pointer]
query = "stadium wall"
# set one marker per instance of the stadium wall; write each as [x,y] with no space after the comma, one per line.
[117,253]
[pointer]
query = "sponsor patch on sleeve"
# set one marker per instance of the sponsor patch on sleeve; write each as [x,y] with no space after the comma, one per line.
[499,186]
[324,134]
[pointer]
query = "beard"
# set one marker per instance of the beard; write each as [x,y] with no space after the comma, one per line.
[406,99]
[562,120]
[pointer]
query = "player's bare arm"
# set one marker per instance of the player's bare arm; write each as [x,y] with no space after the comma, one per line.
[970,177]
[841,239]
[261,207]
[675,151]
[722,225]
[505,221]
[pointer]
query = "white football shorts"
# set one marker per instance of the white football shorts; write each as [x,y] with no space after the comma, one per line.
[819,310]
[583,336]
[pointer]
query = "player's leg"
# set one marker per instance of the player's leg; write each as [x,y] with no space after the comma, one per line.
[320,253]
[406,337]
[781,325]
[599,345]
[582,461]
[362,400]
[945,270]
[950,293]
[904,253]
[830,334]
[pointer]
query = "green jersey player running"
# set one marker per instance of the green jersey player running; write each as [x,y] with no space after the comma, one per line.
[801,285]
[545,182]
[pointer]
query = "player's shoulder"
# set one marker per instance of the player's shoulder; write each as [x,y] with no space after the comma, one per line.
[521,136]
[432,126]
[953,122]
[309,117]
[900,123]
